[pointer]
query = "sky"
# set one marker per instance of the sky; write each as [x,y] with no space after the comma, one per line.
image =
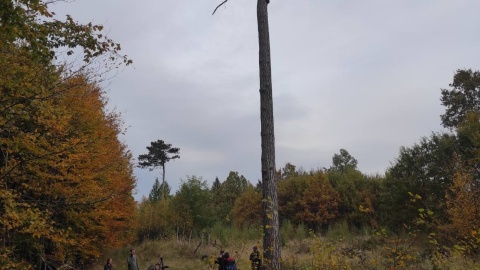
[364,76]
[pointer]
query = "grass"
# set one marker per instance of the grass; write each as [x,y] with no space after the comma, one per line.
[177,255]
[337,249]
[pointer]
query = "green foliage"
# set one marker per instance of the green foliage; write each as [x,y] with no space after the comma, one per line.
[301,232]
[343,162]
[159,153]
[35,28]
[217,200]
[340,230]
[155,219]
[191,204]
[400,251]
[156,193]
[288,171]
[226,196]
[462,99]
[425,169]
[358,194]
[468,134]
[220,231]
[216,187]
[234,185]
[287,232]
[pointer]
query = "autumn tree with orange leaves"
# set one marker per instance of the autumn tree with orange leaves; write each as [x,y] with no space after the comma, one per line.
[308,199]
[247,210]
[463,198]
[319,203]
[65,179]
[463,205]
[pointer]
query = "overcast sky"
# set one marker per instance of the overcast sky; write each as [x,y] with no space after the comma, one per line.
[363,75]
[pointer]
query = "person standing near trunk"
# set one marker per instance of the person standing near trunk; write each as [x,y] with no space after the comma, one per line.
[255,259]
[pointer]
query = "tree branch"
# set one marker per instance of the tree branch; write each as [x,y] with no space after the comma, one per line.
[219,6]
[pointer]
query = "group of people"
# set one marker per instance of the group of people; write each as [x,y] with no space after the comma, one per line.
[132,263]
[225,262]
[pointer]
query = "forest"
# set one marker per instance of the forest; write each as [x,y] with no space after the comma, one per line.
[67,183]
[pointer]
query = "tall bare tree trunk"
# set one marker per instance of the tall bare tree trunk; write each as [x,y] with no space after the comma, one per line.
[163,182]
[271,238]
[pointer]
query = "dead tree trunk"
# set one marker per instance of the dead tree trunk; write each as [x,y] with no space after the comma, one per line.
[271,238]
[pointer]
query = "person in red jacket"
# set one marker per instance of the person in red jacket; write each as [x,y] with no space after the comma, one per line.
[229,262]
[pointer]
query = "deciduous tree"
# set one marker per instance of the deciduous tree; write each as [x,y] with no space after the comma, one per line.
[287,171]
[319,203]
[463,203]
[64,162]
[191,202]
[464,97]
[230,189]
[424,169]
[290,193]
[343,161]
[62,165]
[247,210]
[355,190]
[31,25]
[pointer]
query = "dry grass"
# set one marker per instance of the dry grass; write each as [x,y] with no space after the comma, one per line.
[178,255]
[359,252]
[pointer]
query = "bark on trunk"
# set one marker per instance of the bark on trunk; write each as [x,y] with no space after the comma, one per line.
[163,182]
[271,239]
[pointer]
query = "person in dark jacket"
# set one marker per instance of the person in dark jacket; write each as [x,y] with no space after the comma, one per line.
[255,259]
[132,261]
[108,265]
[220,260]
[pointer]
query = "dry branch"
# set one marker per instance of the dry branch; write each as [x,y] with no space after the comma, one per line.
[219,6]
